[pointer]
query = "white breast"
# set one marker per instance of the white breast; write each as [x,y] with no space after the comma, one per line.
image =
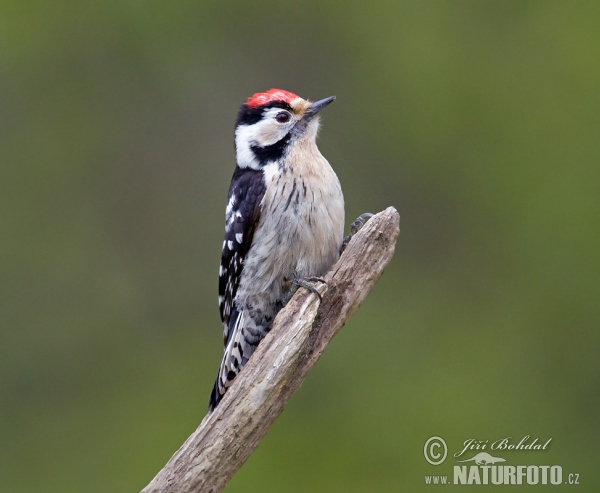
[301,225]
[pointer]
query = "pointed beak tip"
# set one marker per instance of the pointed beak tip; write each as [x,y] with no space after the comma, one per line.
[319,105]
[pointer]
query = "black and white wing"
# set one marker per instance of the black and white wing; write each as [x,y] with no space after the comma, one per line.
[241,218]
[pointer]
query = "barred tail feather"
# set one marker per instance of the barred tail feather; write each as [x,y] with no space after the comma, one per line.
[245,337]
[215,397]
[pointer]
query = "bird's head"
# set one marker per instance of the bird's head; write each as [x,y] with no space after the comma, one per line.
[270,123]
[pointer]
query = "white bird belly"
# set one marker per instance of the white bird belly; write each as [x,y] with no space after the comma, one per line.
[298,235]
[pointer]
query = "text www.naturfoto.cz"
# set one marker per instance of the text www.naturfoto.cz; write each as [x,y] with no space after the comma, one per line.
[436,480]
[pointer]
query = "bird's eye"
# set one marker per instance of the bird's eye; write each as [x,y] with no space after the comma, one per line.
[283,117]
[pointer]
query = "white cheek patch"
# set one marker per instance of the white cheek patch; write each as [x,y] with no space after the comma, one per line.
[264,133]
[244,135]
[269,130]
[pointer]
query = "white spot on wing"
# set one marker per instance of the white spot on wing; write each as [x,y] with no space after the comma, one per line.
[239,237]
[230,204]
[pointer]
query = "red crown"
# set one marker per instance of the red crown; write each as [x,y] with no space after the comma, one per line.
[271,96]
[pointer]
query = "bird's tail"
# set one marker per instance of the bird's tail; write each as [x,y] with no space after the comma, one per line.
[215,396]
[245,336]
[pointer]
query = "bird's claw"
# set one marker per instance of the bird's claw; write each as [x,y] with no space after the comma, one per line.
[303,282]
[355,227]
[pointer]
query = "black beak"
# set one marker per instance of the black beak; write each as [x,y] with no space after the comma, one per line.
[318,106]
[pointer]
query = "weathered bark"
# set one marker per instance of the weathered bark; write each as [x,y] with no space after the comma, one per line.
[225,439]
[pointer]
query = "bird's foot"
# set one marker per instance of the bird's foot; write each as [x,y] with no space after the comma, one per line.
[303,282]
[355,227]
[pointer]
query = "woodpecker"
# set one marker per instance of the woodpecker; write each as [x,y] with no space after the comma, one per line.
[284,221]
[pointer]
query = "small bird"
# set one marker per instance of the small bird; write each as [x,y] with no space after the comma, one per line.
[284,221]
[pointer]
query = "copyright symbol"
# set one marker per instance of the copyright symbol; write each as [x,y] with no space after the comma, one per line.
[432,453]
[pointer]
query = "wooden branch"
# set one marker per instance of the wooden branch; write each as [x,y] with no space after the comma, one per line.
[225,439]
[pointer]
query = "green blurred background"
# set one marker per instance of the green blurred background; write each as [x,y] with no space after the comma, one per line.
[478,121]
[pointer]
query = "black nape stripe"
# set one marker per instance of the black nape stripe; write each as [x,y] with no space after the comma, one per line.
[271,153]
[250,116]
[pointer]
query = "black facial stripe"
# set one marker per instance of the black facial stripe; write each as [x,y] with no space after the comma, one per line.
[250,116]
[271,153]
